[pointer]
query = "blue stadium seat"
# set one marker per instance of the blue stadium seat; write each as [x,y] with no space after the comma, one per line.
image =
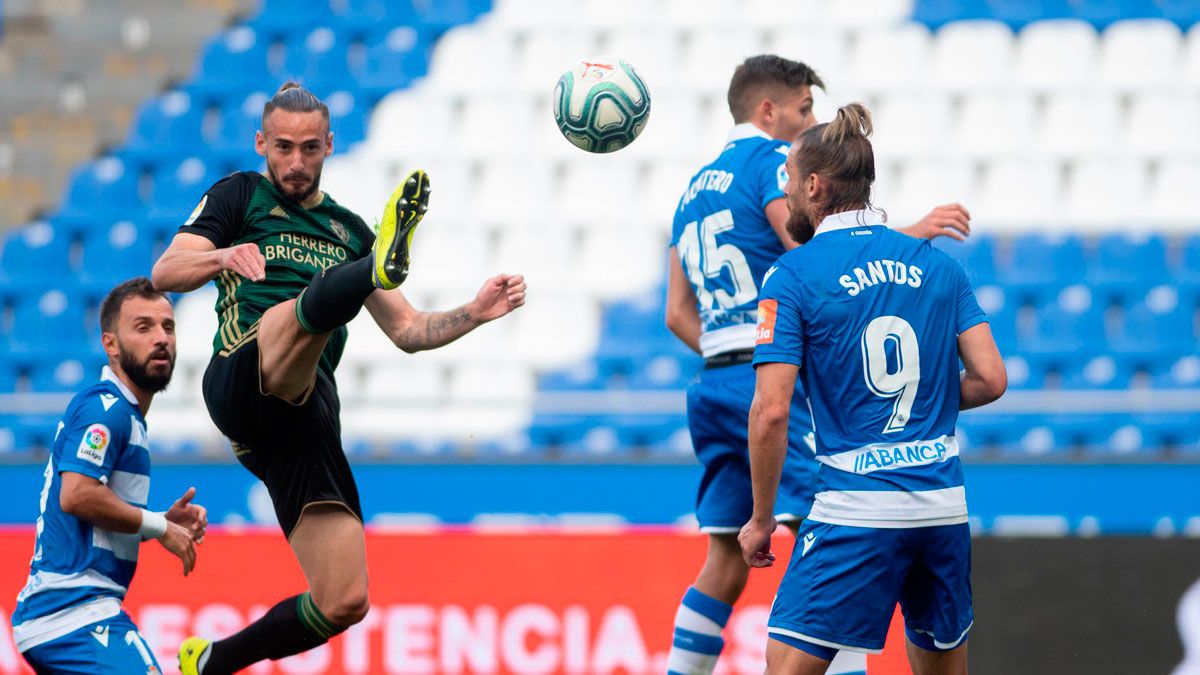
[646,431]
[1020,13]
[442,15]
[1179,373]
[553,430]
[102,190]
[31,434]
[1106,435]
[47,322]
[977,256]
[1159,324]
[166,127]
[1185,13]
[632,332]
[112,256]
[1040,265]
[346,122]
[1186,271]
[1176,430]
[1101,13]
[232,138]
[234,63]
[393,62]
[277,19]
[937,13]
[62,374]
[664,373]
[601,440]
[363,18]
[1071,326]
[1099,372]
[414,448]
[1004,434]
[318,60]
[10,371]
[1122,267]
[581,377]
[177,191]
[34,255]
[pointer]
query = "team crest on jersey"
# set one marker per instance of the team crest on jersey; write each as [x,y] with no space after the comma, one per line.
[340,230]
[197,211]
[767,310]
[94,444]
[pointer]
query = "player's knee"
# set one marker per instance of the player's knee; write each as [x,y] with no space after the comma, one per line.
[348,609]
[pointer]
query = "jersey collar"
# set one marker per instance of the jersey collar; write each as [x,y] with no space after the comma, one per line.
[109,375]
[746,130]
[847,220]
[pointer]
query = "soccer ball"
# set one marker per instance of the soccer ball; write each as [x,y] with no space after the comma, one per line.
[601,104]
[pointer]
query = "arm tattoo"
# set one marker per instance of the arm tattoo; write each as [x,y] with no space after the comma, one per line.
[443,327]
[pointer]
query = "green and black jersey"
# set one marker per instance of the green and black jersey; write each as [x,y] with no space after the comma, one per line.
[246,208]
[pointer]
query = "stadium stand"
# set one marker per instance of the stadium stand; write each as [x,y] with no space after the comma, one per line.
[1047,119]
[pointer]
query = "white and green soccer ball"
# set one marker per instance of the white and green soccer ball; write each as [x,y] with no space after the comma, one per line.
[601,104]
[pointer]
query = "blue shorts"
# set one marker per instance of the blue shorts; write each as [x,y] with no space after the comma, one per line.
[843,583]
[718,408]
[113,645]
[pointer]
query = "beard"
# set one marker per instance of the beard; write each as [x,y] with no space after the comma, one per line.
[799,225]
[152,381]
[293,195]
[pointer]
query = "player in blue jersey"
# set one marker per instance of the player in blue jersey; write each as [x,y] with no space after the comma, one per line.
[93,514]
[874,324]
[729,228]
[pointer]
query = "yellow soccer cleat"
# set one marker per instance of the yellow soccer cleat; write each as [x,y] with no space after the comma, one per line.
[189,654]
[393,235]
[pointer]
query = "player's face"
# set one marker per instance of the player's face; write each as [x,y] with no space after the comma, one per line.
[794,114]
[800,223]
[145,342]
[295,145]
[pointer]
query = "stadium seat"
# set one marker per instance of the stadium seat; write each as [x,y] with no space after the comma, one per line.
[238,119]
[1076,125]
[1168,203]
[278,19]
[1071,326]
[1102,13]
[177,191]
[977,255]
[1104,195]
[362,19]
[345,120]
[233,64]
[1102,435]
[937,13]
[1020,13]
[318,60]
[101,190]
[393,62]
[441,15]
[927,183]
[50,321]
[165,127]
[111,256]
[33,255]
[1183,373]
[1099,372]
[1185,13]
[1178,431]
[1147,134]
[716,49]
[1158,325]
[889,60]
[972,55]
[1056,55]
[912,125]
[656,52]
[1122,267]
[466,60]
[1140,54]
[1038,181]
[643,431]
[993,125]
[61,375]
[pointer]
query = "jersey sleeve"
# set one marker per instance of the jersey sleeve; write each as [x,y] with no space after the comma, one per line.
[221,213]
[779,337]
[967,313]
[677,224]
[93,438]
[770,174]
[368,236]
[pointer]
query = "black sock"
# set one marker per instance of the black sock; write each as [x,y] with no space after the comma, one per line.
[335,296]
[294,625]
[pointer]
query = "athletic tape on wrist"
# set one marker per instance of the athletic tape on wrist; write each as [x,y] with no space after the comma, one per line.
[154,524]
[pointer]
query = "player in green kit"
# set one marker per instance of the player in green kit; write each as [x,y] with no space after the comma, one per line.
[293,267]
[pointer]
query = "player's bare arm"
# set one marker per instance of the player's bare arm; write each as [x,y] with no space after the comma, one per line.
[683,319]
[984,378]
[769,416]
[777,214]
[413,330]
[93,502]
[192,261]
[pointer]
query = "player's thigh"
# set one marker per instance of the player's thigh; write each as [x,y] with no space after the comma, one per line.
[330,544]
[288,354]
[113,645]
[936,597]
[924,662]
[786,659]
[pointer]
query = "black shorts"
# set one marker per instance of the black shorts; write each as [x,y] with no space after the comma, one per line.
[295,449]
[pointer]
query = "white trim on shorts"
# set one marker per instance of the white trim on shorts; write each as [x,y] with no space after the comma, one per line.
[823,643]
[947,645]
[735,529]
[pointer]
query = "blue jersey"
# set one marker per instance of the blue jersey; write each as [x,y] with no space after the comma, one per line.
[80,573]
[871,317]
[723,238]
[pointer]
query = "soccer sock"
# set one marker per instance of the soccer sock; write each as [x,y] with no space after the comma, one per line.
[294,625]
[848,663]
[698,625]
[335,296]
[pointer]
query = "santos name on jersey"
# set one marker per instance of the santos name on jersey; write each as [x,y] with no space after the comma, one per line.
[871,317]
[80,573]
[723,238]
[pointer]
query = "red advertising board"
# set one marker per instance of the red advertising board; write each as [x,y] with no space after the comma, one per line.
[450,601]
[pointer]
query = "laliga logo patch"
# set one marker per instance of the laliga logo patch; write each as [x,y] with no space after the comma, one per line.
[94,444]
[765,334]
[196,213]
[594,72]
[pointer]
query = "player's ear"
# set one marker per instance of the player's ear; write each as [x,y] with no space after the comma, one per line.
[109,342]
[260,143]
[328,143]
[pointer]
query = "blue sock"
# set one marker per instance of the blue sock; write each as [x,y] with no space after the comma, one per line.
[697,644]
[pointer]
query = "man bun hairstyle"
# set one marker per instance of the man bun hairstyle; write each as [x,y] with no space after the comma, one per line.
[110,309]
[840,152]
[294,98]
[761,76]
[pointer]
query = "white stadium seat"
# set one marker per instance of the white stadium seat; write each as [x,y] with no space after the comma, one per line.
[1165,123]
[1140,54]
[1105,194]
[1053,55]
[410,121]
[547,54]
[469,58]
[712,55]
[1018,194]
[824,50]
[909,125]
[973,55]
[1171,203]
[995,125]
[1189,67]
[890,59]
[655,52]
[924,184]
[1080,124]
